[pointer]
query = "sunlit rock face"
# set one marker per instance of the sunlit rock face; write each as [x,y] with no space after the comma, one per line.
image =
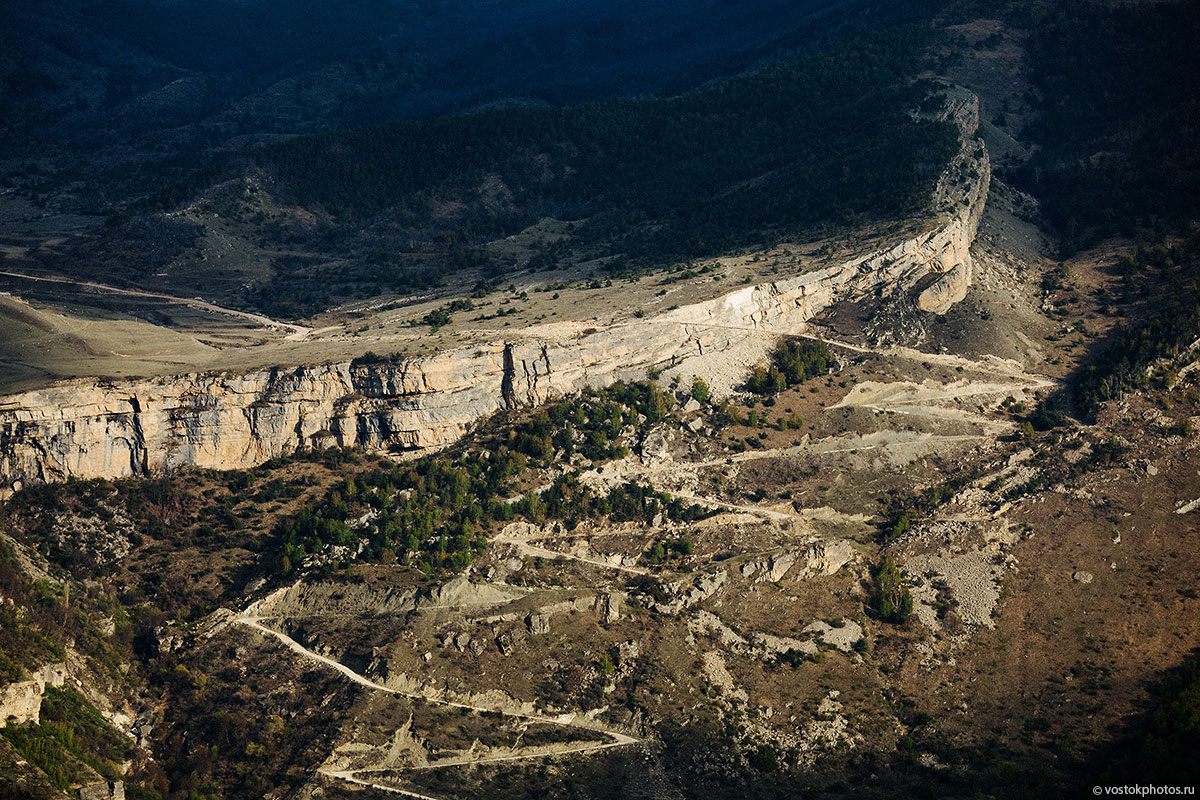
[99,428]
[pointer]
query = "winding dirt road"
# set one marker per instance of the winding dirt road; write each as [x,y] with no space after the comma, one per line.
[617,739]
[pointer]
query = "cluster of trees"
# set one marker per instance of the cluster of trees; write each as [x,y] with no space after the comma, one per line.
[441,316]
[371,358]
[435,513]
[591,424]
[569,500]
[431,514]
[1123,364]
[745,162]
[302,286]
[664,550]
[903,511]
[71,734]
[893,600]
[223,738]
[797,658]
[793,362]
[35,611]
[1166,738]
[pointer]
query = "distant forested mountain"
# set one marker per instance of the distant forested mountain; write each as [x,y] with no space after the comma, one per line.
[200,71]
[827,139]
[406,135]
[832,139]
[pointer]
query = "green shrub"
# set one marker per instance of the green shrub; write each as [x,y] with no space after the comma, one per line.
[764,758]
[893,600]
[792,363]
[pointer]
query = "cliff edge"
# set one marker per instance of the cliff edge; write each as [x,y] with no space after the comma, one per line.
[96,428]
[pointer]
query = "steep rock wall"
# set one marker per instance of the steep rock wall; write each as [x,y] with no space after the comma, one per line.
[21,702]
[99,428]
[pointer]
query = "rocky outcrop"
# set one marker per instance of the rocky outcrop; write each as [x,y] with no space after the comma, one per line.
[947,290]
[103,790]
[102,428]
[963,188]
[21,702]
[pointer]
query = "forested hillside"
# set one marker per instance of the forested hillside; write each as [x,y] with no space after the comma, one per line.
[823,140]
[829,141]
[1119,119]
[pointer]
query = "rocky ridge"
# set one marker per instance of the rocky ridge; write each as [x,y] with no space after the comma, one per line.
[97,428]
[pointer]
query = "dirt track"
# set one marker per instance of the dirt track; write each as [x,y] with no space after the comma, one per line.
[617,739]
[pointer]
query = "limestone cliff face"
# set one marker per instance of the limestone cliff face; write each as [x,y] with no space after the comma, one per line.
[962,187]
[947,290]
[115,429]
[22,701]
[99,428]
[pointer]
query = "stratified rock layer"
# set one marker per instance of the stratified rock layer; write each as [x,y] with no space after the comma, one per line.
[109,429]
